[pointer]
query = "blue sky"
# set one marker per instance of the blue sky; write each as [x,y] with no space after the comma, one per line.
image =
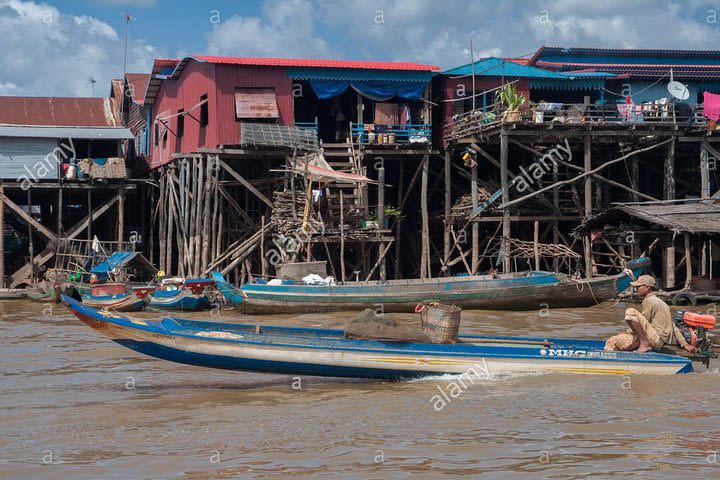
[53,47]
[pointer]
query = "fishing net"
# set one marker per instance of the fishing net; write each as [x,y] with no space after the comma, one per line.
[436,323]
[369,325]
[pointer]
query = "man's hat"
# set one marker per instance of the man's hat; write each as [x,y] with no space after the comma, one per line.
[646,280]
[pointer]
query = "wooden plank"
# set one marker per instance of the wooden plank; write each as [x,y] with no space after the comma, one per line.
[25,216]
[245,183]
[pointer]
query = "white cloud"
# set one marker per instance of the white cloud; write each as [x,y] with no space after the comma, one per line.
[286,29]
[49,53]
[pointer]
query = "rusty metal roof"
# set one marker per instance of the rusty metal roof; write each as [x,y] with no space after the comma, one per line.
[58,111]
[137,84]
[692,216]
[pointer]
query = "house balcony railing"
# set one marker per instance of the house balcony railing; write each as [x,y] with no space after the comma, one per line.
[309,126]
[367,133]
[471,123]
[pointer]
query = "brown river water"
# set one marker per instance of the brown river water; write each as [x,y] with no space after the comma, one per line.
[75,405]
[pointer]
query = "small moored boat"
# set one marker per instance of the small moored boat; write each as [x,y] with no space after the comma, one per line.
[326,352]
[187,295]
[513,291]
[107,296]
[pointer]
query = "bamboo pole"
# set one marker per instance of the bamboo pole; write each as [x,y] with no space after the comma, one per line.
[206,218]
[379,261]
[199,204]
[342,238]
[215,240]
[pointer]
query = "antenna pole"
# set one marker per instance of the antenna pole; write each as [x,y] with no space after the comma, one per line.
[472,67]
[128,18]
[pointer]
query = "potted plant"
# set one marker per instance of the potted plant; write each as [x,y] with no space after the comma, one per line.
[512,101]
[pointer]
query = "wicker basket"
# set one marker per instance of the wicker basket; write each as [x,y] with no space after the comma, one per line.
[440,323]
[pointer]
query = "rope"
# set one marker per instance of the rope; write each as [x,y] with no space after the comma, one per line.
[579,284]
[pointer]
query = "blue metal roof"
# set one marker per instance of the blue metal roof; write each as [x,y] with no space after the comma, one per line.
[497,67]
[357,74]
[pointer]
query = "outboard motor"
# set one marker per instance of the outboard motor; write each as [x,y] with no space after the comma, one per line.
[694,327]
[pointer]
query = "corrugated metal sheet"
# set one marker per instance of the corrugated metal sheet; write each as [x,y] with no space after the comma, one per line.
[693,217]
[28,157]
[256,103]
[358,74]
[137,86]
[65,132]
[58,111]
[316,63]
[497,67]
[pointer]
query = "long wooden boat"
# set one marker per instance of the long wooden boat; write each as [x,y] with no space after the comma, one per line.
[189,296]
[326,352]
[520,291]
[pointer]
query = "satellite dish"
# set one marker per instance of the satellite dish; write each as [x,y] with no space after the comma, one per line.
[678,90]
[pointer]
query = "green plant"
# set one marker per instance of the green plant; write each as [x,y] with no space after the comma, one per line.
[390,211]
[511,100]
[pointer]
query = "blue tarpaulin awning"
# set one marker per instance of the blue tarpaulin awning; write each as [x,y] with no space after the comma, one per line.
[120,260]
[377,90]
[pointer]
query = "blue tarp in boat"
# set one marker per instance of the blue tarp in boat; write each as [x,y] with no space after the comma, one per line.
[120,260]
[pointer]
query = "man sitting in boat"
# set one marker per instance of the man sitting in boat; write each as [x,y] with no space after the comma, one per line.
[650,329]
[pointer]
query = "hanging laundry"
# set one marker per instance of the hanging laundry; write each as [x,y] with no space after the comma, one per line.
[625,110]
[711,107]
[387,113]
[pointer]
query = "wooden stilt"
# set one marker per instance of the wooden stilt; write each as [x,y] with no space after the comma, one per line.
[448,207]
[151,240]
[424,257]
[342,238]
[89,210]
[31,248]
[587,162]
[2,235]
[170,227]
[669,194]
[121,216]
[475,227]
[263,263]
[506,232]
[704,177]
[688,263]
[536,251]
[206,218]
[399,223]
[381,222]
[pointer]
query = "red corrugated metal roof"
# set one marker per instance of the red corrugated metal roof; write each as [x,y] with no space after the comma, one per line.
[319,63]
[138,83]
[57,111]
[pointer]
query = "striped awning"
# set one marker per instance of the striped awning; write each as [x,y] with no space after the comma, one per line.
[358,74]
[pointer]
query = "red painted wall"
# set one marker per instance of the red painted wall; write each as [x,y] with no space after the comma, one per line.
[218,81]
